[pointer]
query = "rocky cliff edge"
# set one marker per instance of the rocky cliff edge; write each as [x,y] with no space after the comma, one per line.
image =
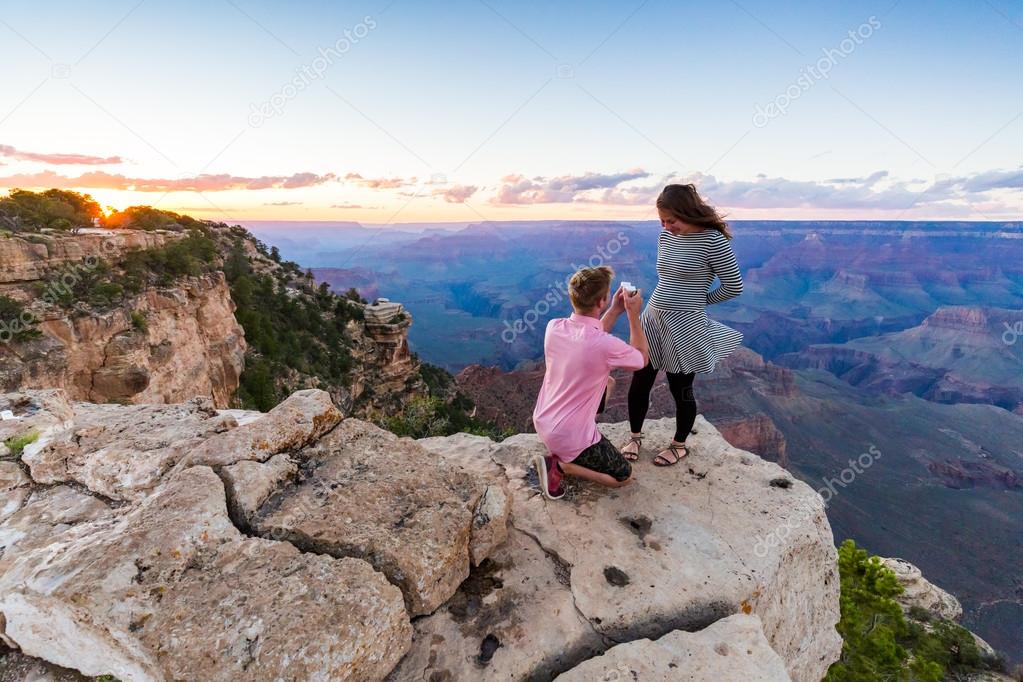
[181,542]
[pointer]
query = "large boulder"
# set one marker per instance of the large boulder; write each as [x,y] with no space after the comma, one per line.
[919,591]
[678,549]
[735,644]
[472,454]
[123,451]
[251,483]
[14,488]
[171,590]
[296,422]
[363,492]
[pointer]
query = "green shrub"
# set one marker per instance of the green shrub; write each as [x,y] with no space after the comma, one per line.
[191,256]
[438,381]
[16,444]
[15,323]
[879,643]
[105,294]
[71,284]
[422,417]
[149,218]
[22,210]
[257,388]
[353,294]
[138,321]
[284,332]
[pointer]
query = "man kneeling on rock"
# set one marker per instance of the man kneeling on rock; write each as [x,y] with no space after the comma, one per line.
[580,354]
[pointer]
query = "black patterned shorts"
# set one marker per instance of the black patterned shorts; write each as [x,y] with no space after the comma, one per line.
[604,458]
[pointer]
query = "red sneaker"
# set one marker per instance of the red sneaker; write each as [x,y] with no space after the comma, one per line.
[549,474]
[555,477]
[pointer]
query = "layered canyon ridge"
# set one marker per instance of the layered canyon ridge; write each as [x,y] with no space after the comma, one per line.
[162,344]
[177,337]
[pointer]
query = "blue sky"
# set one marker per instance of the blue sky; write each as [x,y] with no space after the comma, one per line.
[479,109]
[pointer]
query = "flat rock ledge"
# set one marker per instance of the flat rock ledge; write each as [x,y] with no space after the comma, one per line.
[680,548]
[179,542]
[919,591]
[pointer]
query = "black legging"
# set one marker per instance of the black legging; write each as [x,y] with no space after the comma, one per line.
[681,386]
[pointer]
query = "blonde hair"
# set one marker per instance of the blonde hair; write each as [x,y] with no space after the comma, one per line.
[589,285]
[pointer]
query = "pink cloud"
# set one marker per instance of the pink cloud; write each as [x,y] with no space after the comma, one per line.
[58,159]
[198,183]
[379,183]
[456,194]
[875,191]
[517,189]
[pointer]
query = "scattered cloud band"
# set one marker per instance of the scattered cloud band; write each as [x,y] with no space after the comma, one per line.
[58,159]
[198,183]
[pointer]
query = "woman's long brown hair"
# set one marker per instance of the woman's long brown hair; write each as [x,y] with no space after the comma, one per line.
[686,204]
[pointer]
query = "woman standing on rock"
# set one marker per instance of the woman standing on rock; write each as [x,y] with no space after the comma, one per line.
[691,249]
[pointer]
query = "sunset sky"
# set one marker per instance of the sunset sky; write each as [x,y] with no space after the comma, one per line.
[401,111]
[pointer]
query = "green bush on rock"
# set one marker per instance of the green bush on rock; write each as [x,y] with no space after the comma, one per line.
[16,444]
[880,643]
[57,209]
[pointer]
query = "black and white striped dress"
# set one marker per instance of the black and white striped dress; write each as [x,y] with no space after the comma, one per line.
[681,337]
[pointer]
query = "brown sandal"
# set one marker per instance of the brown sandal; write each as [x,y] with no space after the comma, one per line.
[662,461]
[632,456]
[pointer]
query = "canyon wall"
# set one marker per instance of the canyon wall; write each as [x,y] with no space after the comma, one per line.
[166,344]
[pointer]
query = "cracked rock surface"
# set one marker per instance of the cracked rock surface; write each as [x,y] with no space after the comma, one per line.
[679,549]
[171,590]
[123,451]
[363,492]
[176,542]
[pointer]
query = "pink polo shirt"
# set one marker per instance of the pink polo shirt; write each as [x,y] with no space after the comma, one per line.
[580,356]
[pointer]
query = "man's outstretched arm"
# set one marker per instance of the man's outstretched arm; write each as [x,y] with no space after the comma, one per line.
[637,337]
[610,317]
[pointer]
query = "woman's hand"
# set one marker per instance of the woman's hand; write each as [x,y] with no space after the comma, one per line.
[633,302]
